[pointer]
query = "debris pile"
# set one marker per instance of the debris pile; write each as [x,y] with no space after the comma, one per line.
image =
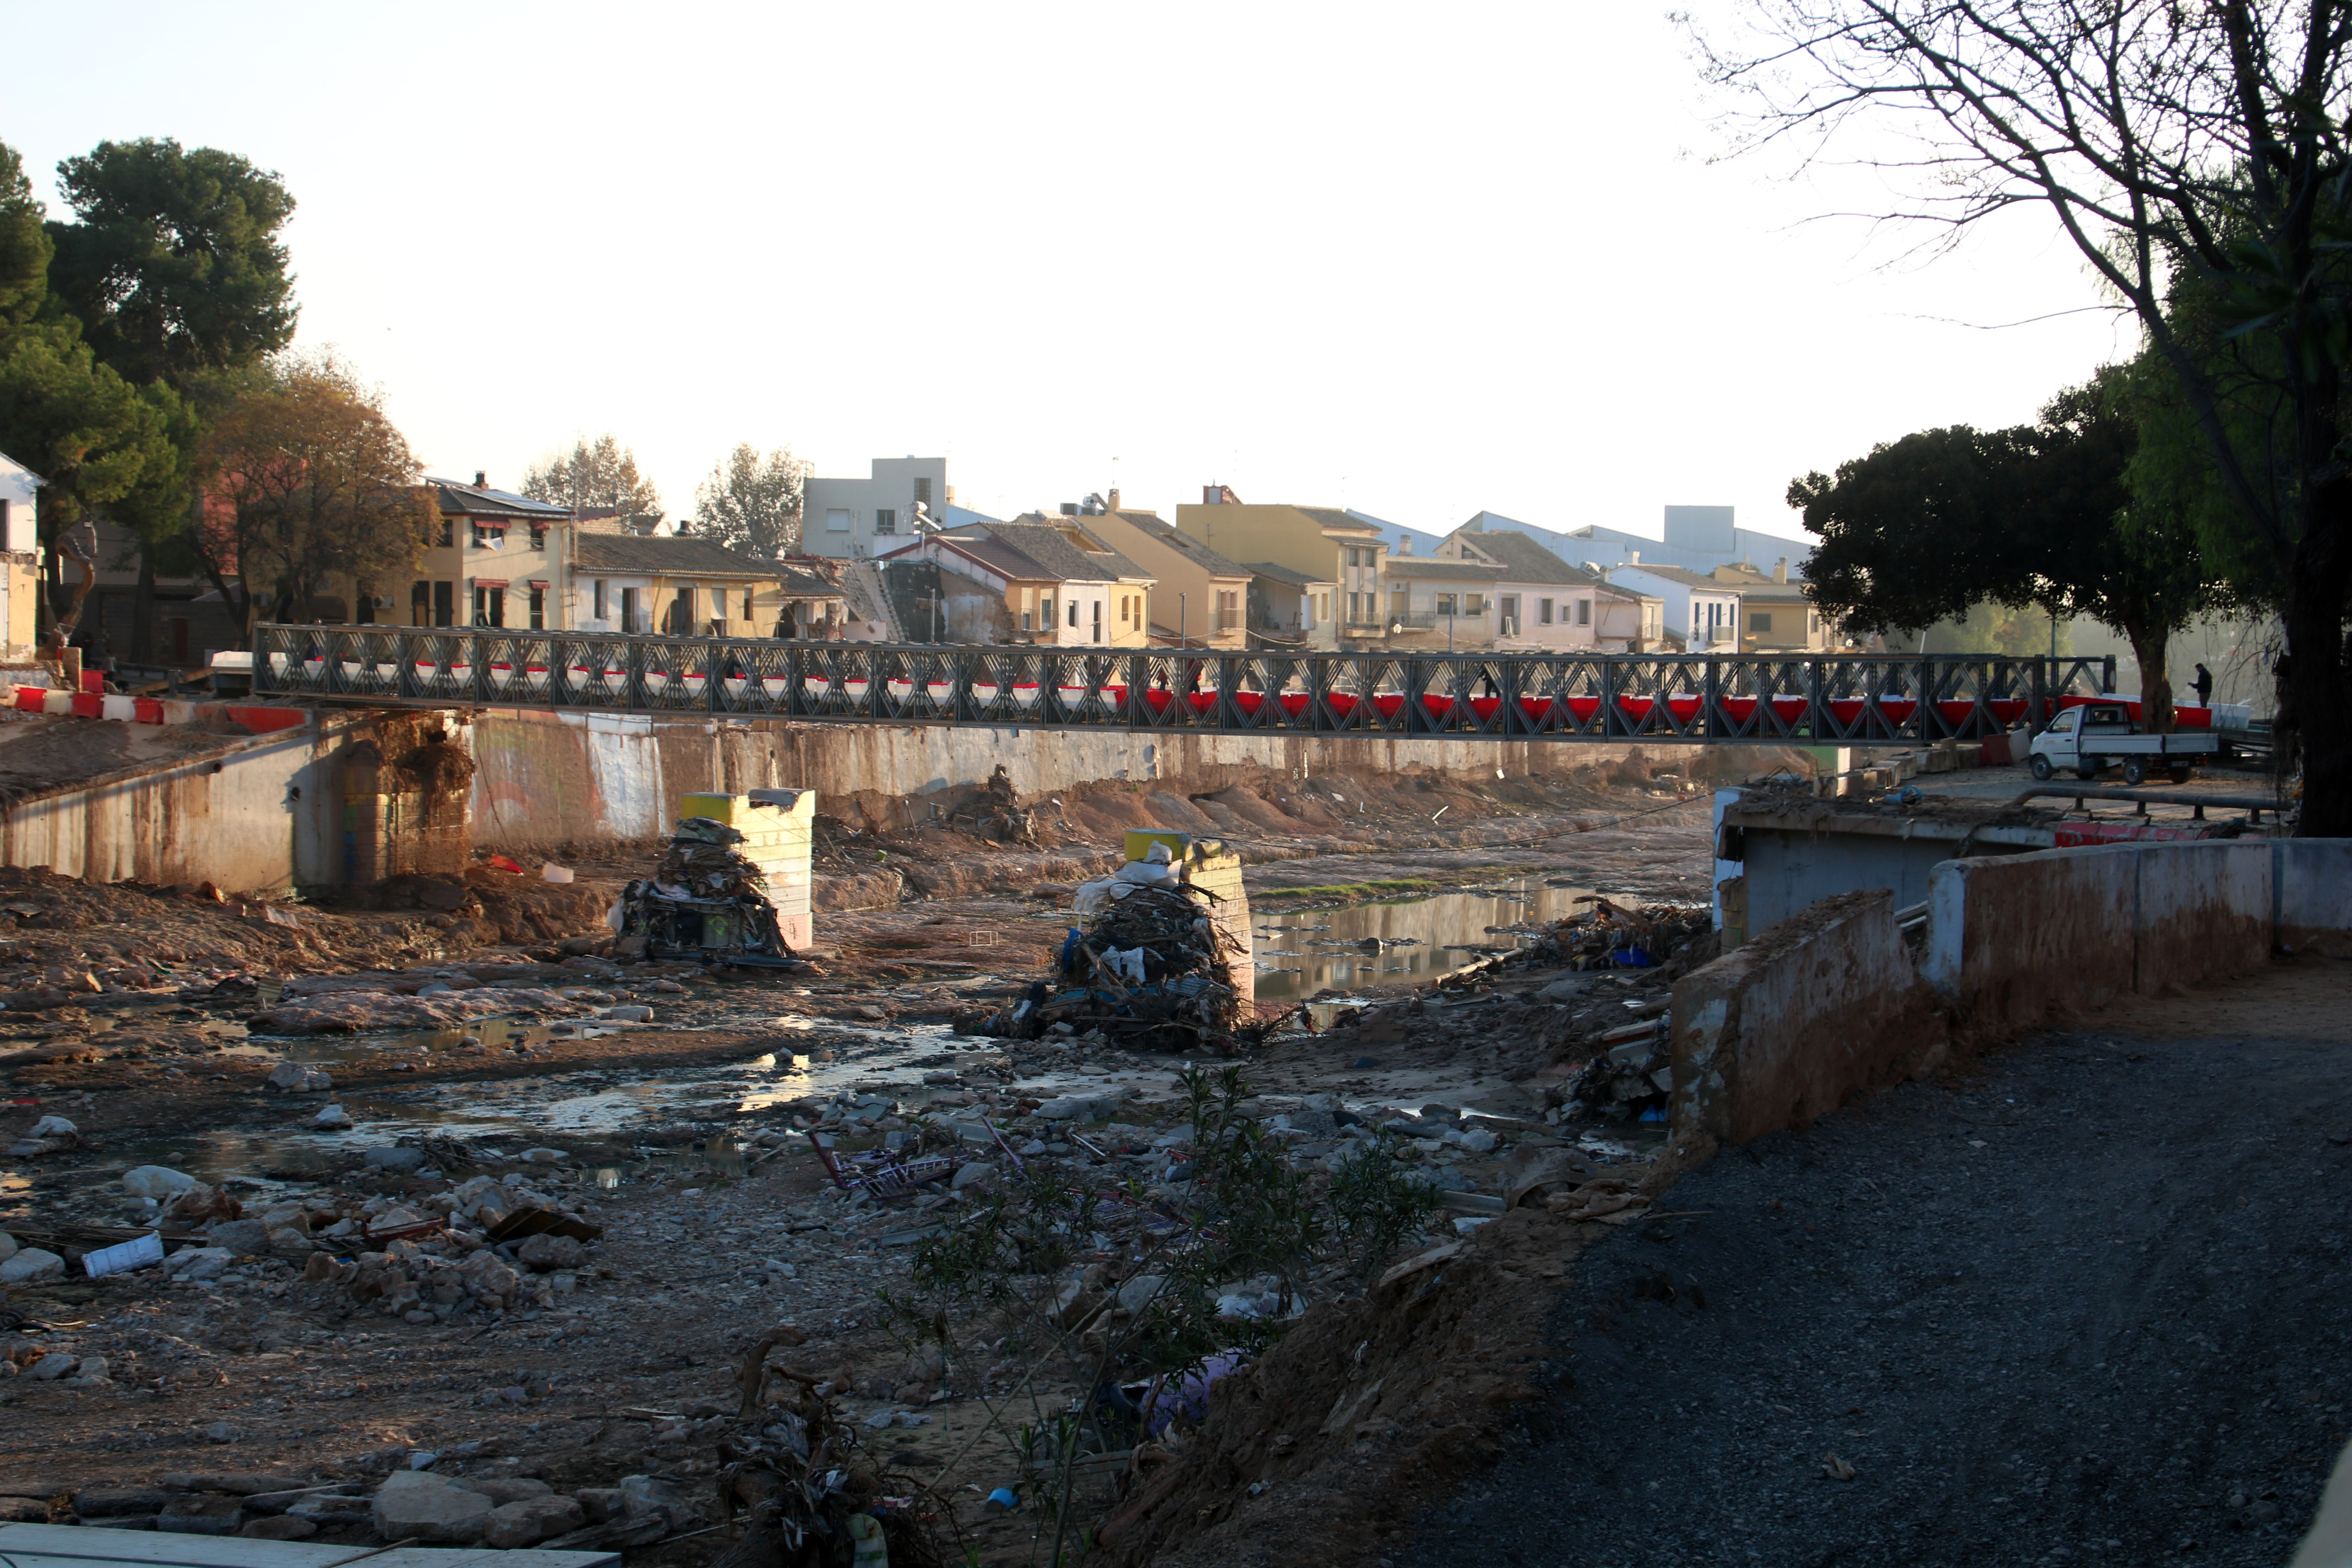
[1611,936]
[1151,970]
[1630,1081]
[705,901]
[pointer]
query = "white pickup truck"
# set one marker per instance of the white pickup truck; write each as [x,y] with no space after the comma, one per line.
[2099,735]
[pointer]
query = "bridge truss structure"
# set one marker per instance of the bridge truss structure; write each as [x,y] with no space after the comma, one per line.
[1807,700]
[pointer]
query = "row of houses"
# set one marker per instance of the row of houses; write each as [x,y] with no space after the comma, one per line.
[891,557]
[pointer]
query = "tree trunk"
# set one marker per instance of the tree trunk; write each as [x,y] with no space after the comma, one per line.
[2320,716]
[142,608]
[2149,648]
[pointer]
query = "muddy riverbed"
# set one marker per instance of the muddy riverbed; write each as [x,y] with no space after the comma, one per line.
[675,1134]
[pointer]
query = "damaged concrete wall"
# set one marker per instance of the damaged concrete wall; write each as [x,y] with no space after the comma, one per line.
[2024,938]
[258,814]
[548,778]
[1815,1009]
[2310,895]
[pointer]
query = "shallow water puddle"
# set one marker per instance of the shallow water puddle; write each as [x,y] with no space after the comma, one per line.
[1409,942]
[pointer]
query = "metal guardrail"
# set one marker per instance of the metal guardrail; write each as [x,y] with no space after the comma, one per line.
[1828,700]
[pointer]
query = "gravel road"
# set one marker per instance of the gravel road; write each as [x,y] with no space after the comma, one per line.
[2092,1305]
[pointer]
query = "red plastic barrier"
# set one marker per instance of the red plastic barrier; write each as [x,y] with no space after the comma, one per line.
[147,710]
[1898,710]
[88,705]
[1845,709]
[268,720]
[1388,703]
[94,680]
[1536,709]
[1684,706]
[2008,709]
[1342,703]
[30,697]
[1293,703]
[1582,709]
[1486,707]
[1637,708]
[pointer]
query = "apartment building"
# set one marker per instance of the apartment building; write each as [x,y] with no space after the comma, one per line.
[1200,598]
[859,518]
[1541,602]
[1061,585]
[1701,613]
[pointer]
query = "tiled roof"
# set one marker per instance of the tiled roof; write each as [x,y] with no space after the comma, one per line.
[1334,517]
[1423,568]
[1051,549]
[1676,574]
[1291,576]
[472,500]
[635,556]
[1216,566]
[1524,560]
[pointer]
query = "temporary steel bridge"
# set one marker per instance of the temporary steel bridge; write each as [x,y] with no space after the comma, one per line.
[1814,698]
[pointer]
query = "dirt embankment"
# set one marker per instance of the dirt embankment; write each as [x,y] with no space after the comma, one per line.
[867,860]
[2037,1261]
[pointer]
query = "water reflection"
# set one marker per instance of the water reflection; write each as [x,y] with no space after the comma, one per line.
[1302,953]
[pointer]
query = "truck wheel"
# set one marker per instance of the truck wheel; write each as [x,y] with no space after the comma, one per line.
[2041,770]
[2089,769]
[2179,775]
[2135,771]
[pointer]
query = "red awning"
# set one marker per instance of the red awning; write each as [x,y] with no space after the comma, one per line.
[539,583]
[490,582]
[499,522]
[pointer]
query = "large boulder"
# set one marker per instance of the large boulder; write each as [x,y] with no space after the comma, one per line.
[157,1182]
[531,1520]
[546,1253]
[419,1505]
[32,1265]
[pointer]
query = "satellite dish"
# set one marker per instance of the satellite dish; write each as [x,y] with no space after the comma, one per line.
[1395,628]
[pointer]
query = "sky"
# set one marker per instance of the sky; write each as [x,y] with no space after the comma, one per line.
[1420,261]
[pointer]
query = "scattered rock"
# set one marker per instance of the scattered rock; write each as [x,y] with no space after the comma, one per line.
[546,1253]
[104,1502]
[414,1503]
[402,1161]
[975,1172]
[202,1513]
[279,1527]
[52,1127]
[296,1078]
[629,1013]
[332,1119]
[531,1520]
[243,1237]
[157,1182]
[31,1265]
[222,1432]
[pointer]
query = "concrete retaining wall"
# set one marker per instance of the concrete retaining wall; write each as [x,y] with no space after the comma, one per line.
[1827,1002]
[252,814]
[2310,895]
[2018,939]
[1785,1028]
[547,778]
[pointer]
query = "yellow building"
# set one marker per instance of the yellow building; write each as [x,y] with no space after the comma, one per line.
[1322,542]
[1200,597]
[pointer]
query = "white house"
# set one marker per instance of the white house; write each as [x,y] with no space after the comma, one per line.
[860,519]
[1699,611]
[1541,602]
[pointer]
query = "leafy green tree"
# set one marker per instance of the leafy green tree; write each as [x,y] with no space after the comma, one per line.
[175,265]
[752,503]
[2173,145]
[599,473]
[25,246]
[92,435]
[1928,527]
[307,477]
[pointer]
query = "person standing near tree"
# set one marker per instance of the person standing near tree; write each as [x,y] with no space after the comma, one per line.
[2203,686]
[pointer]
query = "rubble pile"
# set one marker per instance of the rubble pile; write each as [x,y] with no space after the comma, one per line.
[1611,936]
[1630,1079]
[1152,969]
[705,899]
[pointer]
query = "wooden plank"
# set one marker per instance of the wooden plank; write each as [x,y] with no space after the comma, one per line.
[82,1546]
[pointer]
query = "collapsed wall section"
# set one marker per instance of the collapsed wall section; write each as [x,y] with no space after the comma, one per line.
[1819,1007]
